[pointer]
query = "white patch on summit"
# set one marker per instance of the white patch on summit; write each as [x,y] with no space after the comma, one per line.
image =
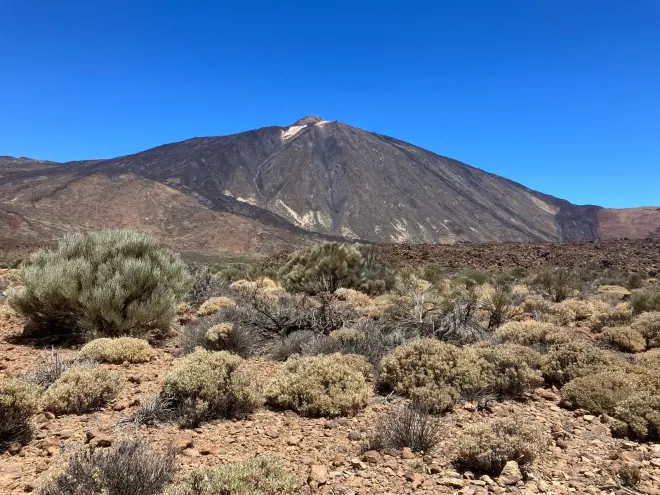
[292,131]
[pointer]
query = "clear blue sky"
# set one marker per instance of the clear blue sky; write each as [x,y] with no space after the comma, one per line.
[563,96]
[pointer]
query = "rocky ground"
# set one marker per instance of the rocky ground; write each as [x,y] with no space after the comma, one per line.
[327,455]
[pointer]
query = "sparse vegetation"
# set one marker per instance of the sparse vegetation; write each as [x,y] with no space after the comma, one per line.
[130,466]
[646,299]
[639,416]
[486,447]
[601,392]
[567,361]
[409,426]
[81,389]
[118,350]
[109,283]
[206,385]
[330,385]
[18,402]
[257,476]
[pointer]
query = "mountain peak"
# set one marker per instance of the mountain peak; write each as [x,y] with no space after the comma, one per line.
[308,120]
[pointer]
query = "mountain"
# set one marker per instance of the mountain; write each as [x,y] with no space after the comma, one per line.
[274,187]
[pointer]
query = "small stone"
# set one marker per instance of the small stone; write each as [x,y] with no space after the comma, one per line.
[209,450]
[469,406]
[318,474]
[511,474]
[191,452]
[101,441]
[290,414]
[355,435]
[294,440]
[406,453]
[372,457]
[331,424]
[588,417]
[64,434]
[49,415]
[14,448]
[547,394]
[453,482]
[29,487]
[272,433]
[358,464]
[182,442]
[562,444]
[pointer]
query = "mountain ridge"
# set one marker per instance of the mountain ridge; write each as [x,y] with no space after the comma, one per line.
[323,180]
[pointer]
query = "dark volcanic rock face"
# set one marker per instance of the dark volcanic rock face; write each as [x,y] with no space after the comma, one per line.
[317,180]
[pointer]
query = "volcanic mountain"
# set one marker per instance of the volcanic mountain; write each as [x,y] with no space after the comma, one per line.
[275,187]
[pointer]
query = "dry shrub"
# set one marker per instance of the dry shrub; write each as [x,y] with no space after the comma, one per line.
[507,370]
[646,299]
[649,359]
[207,385]
[347,335]
[264,285]
[7,316]
[257,476]
[81,389]
[108,283]
[572,311]
[152,410]
[620,315]
[409,426]
[629,475]
[554,284]
[624,339]
[487,447]
[119,350]
[567,361]
[354,297]
[215,333]
[535,305]
[215,304]
[527,332]
[613,293]
[49,368]
[130,466]
[330,385]
[648,324]
[428,371]
[639,416]
[601,392]
[19,400]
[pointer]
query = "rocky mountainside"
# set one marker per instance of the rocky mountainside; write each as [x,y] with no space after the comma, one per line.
[279,186]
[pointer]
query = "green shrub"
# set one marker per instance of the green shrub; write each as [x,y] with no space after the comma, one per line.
[567,361]
[648,324]
[428,371]
[639,416]
[487,447]
[331,385]
[330,266]
[601,392]
[624,339]
[646,299]
[118,350]
[258,476]
[109,283]
[206,385]
[81,389]
[129,466]
[18,402]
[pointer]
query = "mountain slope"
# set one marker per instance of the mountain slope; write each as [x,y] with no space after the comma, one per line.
[289,185]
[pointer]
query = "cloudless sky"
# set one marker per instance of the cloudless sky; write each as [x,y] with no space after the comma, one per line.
[562,96]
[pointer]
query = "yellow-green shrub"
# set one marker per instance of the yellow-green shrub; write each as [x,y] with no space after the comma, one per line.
[329,385]
[620,315]
[649,359]
[206,385]
[624,339]
[354,297]
[258,476]
[507,370]
[567,361]
[119,350]
[646,299]
[527,332]
[347,335]
[487,447]
[81,389]
[430,371]
[648,324]
[615,292]
[215,304]
[570,312]
[639,416]
[19,400]
[601,392]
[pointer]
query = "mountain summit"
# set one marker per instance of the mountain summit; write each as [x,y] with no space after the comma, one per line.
[273,187]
